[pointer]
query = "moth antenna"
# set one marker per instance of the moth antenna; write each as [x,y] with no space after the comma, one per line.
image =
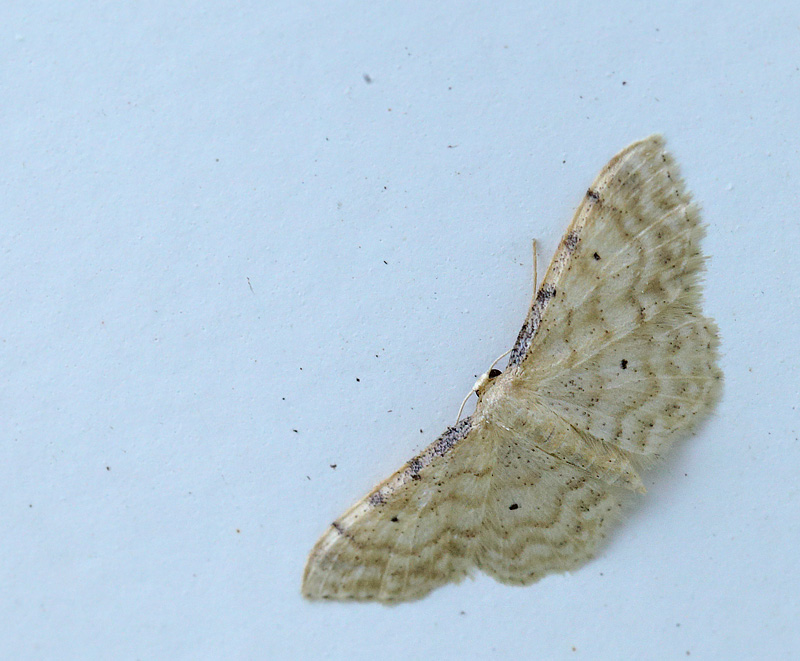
[500,357]
[461,409]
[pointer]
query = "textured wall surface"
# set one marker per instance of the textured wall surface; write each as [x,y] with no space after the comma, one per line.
[255,254]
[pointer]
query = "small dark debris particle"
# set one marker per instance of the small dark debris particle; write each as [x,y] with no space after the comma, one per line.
[333,466]
[596,256]
[295,431]
[108,468]
[624,82]
[513,506]
[462,613]
[624,364]
[358,380]
[385,262]
[394,519]
[367,78]
[237,530]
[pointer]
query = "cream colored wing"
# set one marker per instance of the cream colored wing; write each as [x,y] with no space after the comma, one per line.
[414,532]
[482,495]
[615,341]
[644,389]
[542,514]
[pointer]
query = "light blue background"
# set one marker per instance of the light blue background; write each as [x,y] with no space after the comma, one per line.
[229,261]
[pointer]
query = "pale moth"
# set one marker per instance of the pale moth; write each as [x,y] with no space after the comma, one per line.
[614,363]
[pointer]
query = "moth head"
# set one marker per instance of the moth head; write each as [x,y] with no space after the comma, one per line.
[485,381]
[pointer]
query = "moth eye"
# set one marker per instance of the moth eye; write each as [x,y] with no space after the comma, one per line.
[494,373]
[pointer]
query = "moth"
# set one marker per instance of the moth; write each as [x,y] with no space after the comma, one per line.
[614,363]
